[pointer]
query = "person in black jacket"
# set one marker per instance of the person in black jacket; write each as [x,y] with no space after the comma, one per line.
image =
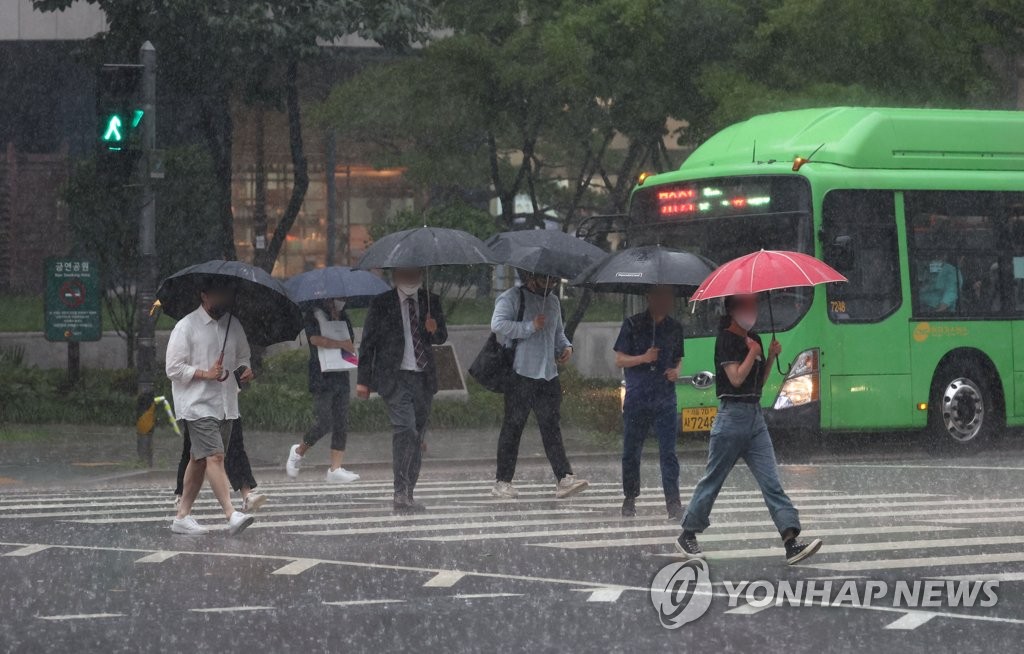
[396,360]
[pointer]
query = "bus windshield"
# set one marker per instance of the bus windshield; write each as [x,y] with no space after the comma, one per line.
[722,219]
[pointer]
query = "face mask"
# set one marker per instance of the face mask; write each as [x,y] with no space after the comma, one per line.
[746,321]
[409,289]
[339,305]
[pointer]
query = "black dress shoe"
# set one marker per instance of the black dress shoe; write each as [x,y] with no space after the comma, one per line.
[675,509]
[629,507]
[405,503]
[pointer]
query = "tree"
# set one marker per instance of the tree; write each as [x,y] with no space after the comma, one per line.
[103,214]
[938,53]
[212,50]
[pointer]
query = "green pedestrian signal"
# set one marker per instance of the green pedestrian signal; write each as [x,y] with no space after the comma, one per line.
[112,134]
[119,110]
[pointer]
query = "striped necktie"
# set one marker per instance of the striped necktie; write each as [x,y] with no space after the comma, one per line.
[419,348]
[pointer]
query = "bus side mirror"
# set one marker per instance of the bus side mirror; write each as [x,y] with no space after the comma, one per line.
[841,253]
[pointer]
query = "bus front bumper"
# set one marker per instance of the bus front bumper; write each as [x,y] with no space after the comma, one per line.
[806,417]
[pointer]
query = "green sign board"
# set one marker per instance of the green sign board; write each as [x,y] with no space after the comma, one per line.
[72,300]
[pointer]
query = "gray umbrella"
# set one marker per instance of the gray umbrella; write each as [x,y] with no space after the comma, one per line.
[426,246]
[636,269]
[545,251]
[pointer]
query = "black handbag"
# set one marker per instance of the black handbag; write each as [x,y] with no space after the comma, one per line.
[494,366]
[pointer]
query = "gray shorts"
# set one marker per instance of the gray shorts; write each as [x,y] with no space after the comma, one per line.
[209,436]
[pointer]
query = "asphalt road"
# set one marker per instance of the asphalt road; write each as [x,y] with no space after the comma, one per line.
[331,568]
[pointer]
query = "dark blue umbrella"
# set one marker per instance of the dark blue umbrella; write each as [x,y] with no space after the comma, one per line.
[262,304]
[335,282]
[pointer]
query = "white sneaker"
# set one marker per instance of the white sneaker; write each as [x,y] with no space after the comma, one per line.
[341,476]
[291,467]
[188,526]
[238,522]
[253,502]
[569,486]
[505,490]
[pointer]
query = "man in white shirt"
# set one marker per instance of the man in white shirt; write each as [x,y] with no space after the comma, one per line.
[206,397]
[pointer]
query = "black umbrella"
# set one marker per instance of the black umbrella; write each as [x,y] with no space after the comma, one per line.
[548,252]
[426,246]
[262,305]
[637,269]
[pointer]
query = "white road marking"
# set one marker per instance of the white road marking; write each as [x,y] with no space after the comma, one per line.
[747,609]
[232,609]
[445,579]
[485,595]
[912,620]
[812,506]
[923,562]
[81,616]
[753,535]
[997,576]
[673,530]
[842,548]
[297,566]
[27,550]
[605,595]
[157,557]
[364,602]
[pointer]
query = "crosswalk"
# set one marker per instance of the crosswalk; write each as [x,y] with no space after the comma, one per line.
[863,531]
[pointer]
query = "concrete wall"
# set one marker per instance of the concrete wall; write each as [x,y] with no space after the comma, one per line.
[20,22]
[593,352]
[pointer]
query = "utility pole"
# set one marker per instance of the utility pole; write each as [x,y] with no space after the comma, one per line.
[332,198]
[150,168]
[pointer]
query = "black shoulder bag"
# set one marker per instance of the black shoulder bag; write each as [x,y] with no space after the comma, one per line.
[494,366]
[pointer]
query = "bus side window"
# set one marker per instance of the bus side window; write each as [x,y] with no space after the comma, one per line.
[860,241]
[962,249]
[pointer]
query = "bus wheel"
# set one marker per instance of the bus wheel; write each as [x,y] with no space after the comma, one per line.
[962,413]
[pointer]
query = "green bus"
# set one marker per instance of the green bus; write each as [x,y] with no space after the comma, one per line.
[923,211]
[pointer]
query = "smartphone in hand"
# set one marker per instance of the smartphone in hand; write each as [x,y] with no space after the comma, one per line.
[239,371]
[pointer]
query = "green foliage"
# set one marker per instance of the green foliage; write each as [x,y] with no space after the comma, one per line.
[277,400]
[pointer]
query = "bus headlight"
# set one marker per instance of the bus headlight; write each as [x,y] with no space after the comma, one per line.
[801,385]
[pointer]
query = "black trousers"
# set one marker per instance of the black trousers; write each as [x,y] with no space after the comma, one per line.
[330,414]
[408,407]
[544,398]
[236,461]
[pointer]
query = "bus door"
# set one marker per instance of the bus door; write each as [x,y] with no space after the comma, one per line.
[865,357]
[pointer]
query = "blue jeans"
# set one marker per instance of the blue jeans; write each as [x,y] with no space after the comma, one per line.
[739,431]
[638,420]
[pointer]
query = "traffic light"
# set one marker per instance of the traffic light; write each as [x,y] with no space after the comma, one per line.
[119,109]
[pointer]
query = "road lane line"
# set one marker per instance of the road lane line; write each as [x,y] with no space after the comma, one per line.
[297,566]
[81,616]
[485,595]
[364,602]
[924,562]
[912,620]
[672,530]
[28,550]
[232,609]
[157,557]
[846,548]
[747,609]
[445,579]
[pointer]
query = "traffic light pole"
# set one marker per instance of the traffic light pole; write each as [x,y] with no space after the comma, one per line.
[145,354]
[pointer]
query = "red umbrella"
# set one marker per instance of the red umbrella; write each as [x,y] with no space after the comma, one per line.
[763,272]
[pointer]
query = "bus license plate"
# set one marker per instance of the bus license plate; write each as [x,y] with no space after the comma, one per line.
[699,419]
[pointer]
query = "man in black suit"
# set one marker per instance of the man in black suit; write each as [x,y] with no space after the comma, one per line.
[396,360]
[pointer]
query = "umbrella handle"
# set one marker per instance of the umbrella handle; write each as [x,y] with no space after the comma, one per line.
[771,316]
[224,345]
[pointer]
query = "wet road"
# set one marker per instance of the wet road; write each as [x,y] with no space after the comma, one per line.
[332,568]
